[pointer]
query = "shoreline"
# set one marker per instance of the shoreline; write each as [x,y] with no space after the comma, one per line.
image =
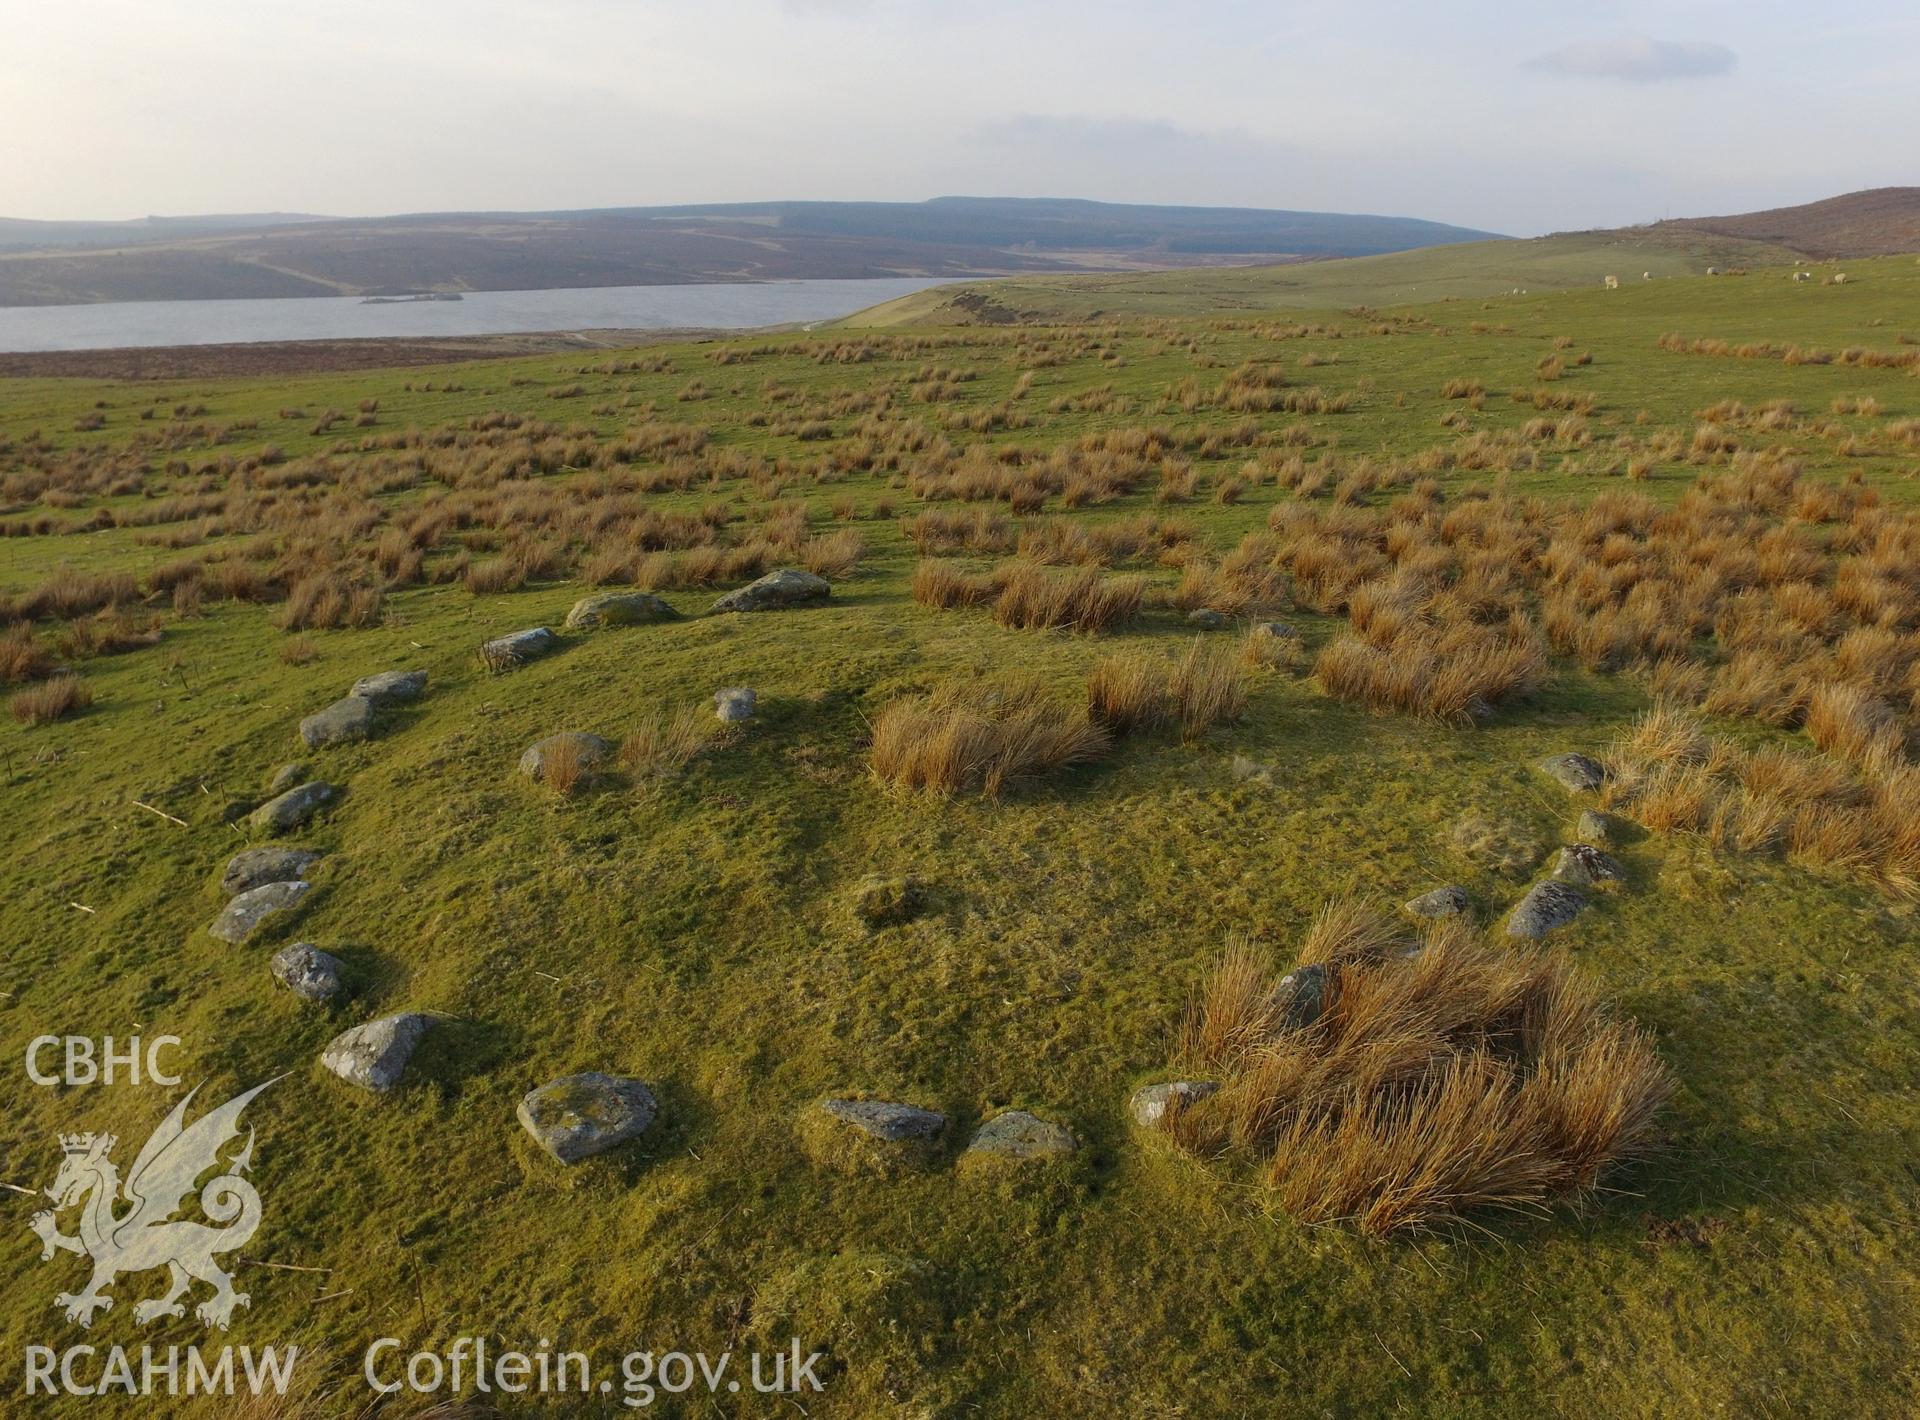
[380,352]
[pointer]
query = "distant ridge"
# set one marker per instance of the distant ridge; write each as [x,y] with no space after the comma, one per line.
[160,259]
[1881,221]
[26,232]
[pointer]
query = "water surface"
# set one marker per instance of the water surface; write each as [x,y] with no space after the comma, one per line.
[715,306]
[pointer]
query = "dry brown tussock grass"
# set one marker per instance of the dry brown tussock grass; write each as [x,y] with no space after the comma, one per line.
[660,744]
[1133,691]
[1441,1076]
[979,738]
[52,699]
[1670,776]
[22,656]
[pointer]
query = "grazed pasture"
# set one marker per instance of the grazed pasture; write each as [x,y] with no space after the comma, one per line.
[1046,718]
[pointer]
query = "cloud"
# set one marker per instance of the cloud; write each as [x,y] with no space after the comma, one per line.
[828,9]
[1638,58]
[1088,131]
[1137,141]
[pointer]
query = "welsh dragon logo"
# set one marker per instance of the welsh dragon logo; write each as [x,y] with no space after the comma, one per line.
[146,1235]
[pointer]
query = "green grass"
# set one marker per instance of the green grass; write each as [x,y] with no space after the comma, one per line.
[698,931]
[1467,271]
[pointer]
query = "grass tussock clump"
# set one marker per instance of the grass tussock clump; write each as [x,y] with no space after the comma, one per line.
[1033,600]
[52,699]
[1127,693]
[944,587]
[833,555]
[1269,648]
[110,633]
[1671,777]
[1029,598]
[68,593]
[1208,688]
[979,738]
[328,600]
[1459,673]
[567,767]
[1132,691]
[660,745]
[22,656]
[1397,1083]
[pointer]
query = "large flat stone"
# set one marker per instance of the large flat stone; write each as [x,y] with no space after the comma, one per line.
[255,867]
[1021,1137]
[1449,901]
[1547,907]
[577,1116]
[245,915]
[618,609]
[343,722]
[375,1055]
[517,648]
[290,810]
[306,971]
[391,687]
[787,587]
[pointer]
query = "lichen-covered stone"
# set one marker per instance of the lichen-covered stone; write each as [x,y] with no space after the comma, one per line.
[245,915]
[285,777]
[1302,996]
[1586,865]
[734,704]
[787,587]
[255,867]
[374,1056]
[870,1136]
[1547,907]
[306,971]
[288,811]
[618,609]
[1449,901]
[391,687]
[343,722]
[1579,772]
[577,1116]
[517,648]
[1021,1137]
[1151,1104]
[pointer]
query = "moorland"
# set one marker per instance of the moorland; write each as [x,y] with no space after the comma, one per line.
[1167,645]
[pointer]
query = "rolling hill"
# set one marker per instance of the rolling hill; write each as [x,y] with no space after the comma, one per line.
[1466,271]
[66,263]
[1884,221]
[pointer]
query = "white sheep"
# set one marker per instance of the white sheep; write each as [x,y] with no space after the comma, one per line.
[1613,283]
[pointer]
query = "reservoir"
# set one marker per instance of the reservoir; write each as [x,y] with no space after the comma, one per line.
[710,306]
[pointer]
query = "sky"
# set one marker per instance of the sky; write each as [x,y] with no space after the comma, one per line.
[1510,118]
